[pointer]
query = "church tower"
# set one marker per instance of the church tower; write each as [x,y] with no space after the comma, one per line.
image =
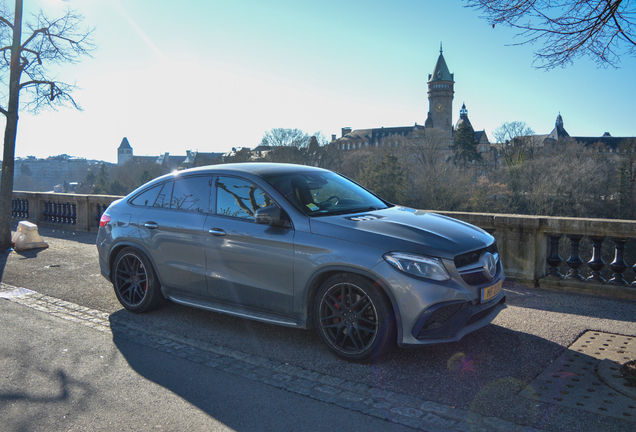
[440,96]
[124,152]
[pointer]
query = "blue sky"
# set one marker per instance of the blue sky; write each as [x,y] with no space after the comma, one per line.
[210,75]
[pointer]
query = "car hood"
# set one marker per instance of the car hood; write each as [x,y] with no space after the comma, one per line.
[400,229]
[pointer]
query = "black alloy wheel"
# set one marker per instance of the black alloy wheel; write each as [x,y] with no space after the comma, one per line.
[354,319]
[135,282]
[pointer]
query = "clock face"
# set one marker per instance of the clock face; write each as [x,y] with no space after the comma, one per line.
[439,107]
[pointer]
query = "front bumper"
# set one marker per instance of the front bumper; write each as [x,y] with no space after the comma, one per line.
[451,321]
[430,312]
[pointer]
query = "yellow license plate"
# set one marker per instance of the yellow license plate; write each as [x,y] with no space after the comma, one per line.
[491,291]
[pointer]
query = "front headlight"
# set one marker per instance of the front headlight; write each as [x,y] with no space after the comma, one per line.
[416,265]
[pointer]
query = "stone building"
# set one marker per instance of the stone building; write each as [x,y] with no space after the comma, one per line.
[605,143]
[441,91]
[172,162]
[33,174]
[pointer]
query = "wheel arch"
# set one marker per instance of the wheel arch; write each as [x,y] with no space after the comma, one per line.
[322,275]
[114,251]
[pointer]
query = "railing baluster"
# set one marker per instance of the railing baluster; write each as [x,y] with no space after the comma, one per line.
[596,264]
[66,214]
[554,260]
[574,262]
[73,214]
[619,265]
[45,207]
[57,212]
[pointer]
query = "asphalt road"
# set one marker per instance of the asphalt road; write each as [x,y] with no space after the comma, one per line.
[483,373]
[61,376]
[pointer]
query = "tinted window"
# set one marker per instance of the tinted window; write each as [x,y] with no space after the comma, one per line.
[192,194]
[239,198]
[147,197]
[163,199]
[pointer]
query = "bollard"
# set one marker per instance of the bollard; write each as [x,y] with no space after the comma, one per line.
[27,237]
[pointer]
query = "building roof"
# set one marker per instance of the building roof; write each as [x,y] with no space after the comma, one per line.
[559,131]
[463,117]
[125,144]
[441,72]
[377,134]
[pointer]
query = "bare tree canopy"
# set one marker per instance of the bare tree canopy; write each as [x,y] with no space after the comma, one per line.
[48,42]
[281,137]
[508,131]
[604,30]
[24,70]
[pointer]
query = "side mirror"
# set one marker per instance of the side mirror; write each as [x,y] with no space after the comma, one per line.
[270,215]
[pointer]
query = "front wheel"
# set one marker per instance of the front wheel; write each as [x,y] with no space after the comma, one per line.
[354,318]
[135,281]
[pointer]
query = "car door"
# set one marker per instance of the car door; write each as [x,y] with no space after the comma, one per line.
[173,231]
[248,265]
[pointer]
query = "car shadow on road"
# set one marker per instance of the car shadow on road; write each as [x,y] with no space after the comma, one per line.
[484,372]
[239,403]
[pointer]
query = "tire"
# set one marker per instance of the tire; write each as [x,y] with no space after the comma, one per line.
[354,318]
[135,282]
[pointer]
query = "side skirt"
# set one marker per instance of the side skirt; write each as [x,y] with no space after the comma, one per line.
[236,311]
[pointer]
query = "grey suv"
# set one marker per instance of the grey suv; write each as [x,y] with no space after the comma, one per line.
[301,247]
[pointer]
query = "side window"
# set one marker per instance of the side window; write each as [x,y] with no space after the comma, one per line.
[147,197]
[191,194]
[239,198]
[163,199]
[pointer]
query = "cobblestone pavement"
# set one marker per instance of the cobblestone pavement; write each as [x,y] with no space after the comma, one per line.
[394,407]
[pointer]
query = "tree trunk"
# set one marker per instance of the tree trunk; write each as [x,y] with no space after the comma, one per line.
[11,132]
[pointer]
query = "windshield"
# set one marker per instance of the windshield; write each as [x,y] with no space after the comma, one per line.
[324,193]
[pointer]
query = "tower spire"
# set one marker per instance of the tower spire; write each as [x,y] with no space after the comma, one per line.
[440,47]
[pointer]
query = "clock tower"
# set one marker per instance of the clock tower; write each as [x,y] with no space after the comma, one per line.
[440,97]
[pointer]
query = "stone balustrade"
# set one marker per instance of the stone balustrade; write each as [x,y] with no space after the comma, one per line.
[546,252]
[69,211]
[539,251]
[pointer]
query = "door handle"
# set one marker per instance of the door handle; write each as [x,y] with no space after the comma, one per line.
[216,231]
[151,225]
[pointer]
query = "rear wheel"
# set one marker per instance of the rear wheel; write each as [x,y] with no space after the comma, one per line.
[135,281]
[354,318]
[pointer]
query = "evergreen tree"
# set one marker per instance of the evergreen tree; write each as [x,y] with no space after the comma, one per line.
[100,187]
[464,145]
[386,178]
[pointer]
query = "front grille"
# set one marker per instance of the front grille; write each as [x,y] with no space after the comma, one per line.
[442,315]
[472,257]
[479,316]
[475,278]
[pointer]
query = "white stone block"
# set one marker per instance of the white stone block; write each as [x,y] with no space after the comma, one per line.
[27,237]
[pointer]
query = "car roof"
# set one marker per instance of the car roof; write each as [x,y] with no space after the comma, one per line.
[256,168]
[259,169]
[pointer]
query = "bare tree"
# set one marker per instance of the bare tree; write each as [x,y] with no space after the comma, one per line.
[288,145]
[51,42]
[281,137]
[427,149]
[516,142]
[568,29]
[434,183]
